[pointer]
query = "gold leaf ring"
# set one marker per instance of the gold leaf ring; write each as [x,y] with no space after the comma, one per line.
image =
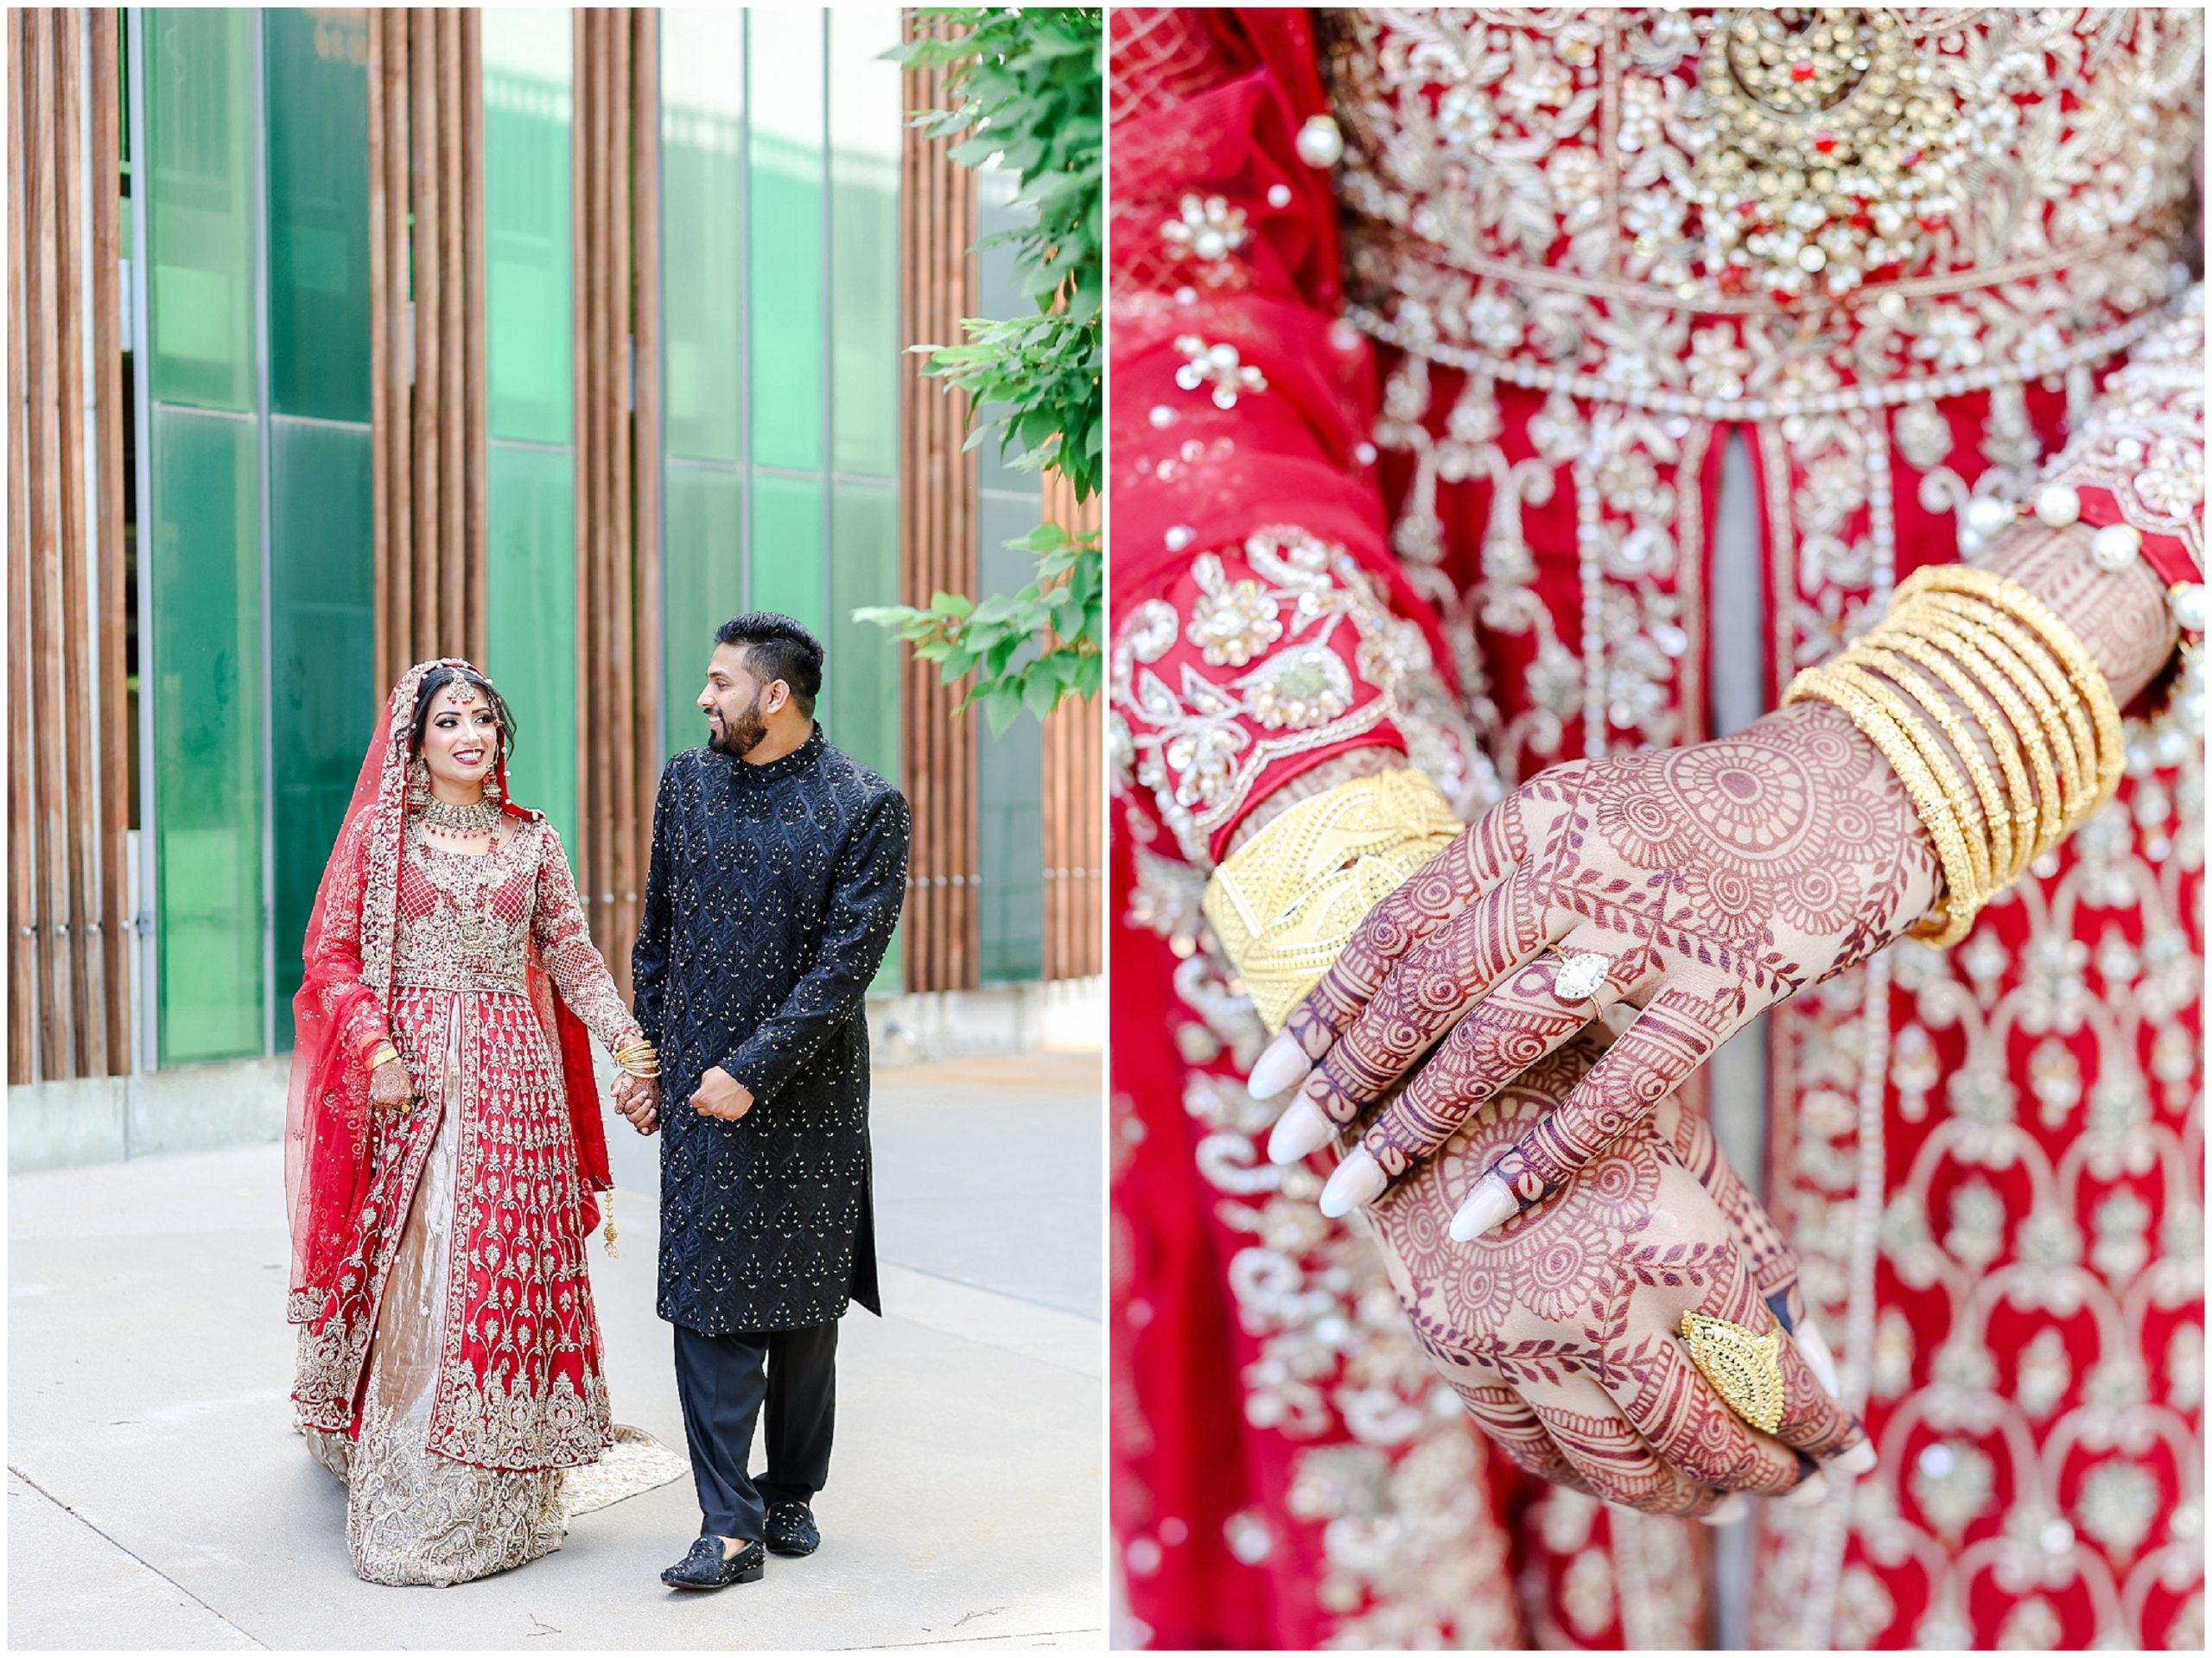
[1743,1367]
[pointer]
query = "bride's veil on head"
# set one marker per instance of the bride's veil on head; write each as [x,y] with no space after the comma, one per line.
[346,963]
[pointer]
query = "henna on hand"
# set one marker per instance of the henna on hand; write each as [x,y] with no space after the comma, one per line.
[1715,880]
[1560,1330]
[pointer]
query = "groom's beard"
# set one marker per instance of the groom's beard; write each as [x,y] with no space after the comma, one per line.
[739,737]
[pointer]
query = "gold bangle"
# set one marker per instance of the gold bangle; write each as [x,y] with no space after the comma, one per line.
[1282,904]
[2043,732]
[2083,785]
[1996,815]
[2003,740]
[382,1055]
[1946,924]
[2061,641]
[1964,812]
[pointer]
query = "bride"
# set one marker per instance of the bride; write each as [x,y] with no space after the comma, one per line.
[443,1147]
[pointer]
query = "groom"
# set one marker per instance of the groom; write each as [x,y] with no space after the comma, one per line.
[778,870]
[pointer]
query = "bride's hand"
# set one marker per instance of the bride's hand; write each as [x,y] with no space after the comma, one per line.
[638,1101]
[1561,1331]
[390,1087]
[1704,884]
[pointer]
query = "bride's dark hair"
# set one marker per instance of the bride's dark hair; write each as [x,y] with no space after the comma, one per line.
[435,681]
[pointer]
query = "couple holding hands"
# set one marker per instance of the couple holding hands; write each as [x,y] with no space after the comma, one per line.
[444,1146]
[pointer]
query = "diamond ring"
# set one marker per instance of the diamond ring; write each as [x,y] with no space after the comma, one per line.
[1579,975]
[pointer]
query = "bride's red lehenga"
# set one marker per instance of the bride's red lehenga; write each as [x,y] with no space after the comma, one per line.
[1429,458]
[449,1364]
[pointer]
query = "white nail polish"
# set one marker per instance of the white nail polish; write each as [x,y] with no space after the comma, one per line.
[1859,1459]
[1490,1202]
[1814,1347]
[1809,1492]
[1299,1132]
[1732,1508]
[1282,1067]
[1358,1180]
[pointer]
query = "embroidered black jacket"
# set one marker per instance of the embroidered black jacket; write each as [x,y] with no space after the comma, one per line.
[772,894]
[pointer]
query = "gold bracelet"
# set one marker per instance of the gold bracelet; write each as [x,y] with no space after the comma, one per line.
[2061,640]
[1948,923]
[1948,781]
[1937,631]
[1980,648]
[1996,815]
[382,1055]
[2063,694]
[1282,904]
[1963,810]
[2003,740]
[639,1058]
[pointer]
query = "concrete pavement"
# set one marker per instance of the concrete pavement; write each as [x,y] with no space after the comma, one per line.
[157,1496]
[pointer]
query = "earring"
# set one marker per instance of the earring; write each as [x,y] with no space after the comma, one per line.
[418,782]
[492,792]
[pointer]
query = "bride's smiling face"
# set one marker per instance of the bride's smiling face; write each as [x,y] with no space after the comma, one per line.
[461,736]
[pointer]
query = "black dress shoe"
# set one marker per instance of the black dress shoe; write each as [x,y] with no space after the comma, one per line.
[705,1568]
[790,1530]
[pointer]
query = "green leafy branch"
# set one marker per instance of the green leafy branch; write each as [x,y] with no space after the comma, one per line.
[1020,647]
[1025,86]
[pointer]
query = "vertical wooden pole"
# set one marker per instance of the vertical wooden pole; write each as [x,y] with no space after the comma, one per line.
[453,397]
[57,1040]
[475,533]
[430,342]
[23,847]
[645,441]
[77,805]
[621,550]
[583,41]
[113,690]
[399,433]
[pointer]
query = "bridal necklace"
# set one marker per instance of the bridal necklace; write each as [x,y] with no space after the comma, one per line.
[477,817]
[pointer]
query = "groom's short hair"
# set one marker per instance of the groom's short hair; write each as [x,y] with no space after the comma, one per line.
[776,647]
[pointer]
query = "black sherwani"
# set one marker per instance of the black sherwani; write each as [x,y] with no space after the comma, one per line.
[771,896]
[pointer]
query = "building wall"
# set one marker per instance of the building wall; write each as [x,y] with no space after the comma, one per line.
[781,132]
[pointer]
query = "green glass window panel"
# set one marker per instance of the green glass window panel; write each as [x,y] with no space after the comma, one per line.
[702,195]
[317,80]
[529,355]
[703,585]
[866,100]
[860,669]
[200,207]
[531,643]
[787,528]
[1010,822]
[997,294]
[324,696]
[785,174]
[205,542]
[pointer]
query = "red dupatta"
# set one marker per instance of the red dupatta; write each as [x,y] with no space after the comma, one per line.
[345,989]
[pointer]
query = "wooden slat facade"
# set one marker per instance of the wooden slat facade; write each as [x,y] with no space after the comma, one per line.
[1074,801]
[938,505]
[426,335]
[617,338]
[68,975]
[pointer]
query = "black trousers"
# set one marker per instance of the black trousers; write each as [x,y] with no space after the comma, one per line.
[723,1381]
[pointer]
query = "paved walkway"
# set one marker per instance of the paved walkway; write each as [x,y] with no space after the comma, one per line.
[157,1496]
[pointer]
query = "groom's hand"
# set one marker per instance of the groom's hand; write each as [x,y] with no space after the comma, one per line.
[720,1094]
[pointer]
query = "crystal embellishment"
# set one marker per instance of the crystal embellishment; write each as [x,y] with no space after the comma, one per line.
[1579,976]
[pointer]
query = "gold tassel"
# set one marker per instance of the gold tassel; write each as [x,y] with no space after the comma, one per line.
[612,1254]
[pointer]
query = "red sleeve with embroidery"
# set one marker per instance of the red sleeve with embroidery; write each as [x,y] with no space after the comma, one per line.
[335,969]
[2139,458]
[1261,625]
[571,959]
